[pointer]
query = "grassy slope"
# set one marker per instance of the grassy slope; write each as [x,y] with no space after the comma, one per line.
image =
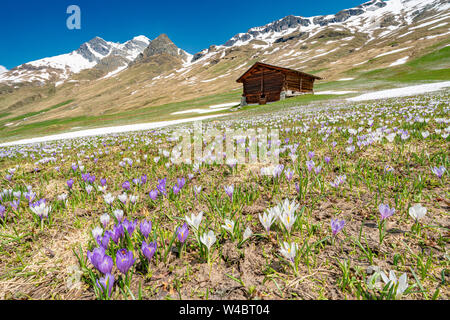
[147,114]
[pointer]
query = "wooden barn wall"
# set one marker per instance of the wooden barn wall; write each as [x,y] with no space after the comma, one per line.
[294,81]
[273,84]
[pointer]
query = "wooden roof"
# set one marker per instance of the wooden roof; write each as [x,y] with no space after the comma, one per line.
[269,66]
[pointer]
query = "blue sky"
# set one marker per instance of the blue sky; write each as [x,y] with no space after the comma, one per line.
[32,30]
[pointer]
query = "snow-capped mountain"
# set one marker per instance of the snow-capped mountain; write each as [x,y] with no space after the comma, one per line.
[88,55]
[363,18]
[3,69]
[368,18]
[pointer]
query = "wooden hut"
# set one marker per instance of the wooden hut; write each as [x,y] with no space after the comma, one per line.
[266,83]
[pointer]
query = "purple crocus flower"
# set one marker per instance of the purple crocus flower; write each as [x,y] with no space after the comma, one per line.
[126,185]
[70,183]
[136,181]
[148,249]
[117,233]
[176,189]
[153,194]
[129,226]
[311,155]
[91,179]
[162,186]
[15,204]
[145,227]
[104,241]
[182,233]
[229,190]
[310,165]
[85,176]
[2,211]
[105,264]
[327,159]
[143,178]
[106,283]
[197,190]
[103,182]
[385,211]
[74,167]
[96,256]
[438,171]
[181,182]
[30,195]
[289,174]
[124,260]
[337,225]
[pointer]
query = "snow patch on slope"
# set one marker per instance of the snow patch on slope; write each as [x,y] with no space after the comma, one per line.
[402,92]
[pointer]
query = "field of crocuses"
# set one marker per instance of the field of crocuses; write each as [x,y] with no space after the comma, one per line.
[356,208]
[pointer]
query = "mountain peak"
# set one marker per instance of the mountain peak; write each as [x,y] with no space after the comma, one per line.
[162,44]
[141,38]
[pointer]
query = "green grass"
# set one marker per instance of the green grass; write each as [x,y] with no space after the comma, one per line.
[290,102]
[30,114]
[432,66]
[4,114]
[142,115]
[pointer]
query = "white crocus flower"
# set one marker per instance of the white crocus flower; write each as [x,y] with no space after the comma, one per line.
[97,232]
[289,251]
[391,137]
[89,188]
[288,219]
[123,197]
[275,212]
[417,211]
[118,214]
[392,280]
[247,233]
[195,220]
[62,197]
[229,226]
[267,219]
[104,219]
[208,239]
[133,198]
[289,207]
[109,198]
[41,210]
